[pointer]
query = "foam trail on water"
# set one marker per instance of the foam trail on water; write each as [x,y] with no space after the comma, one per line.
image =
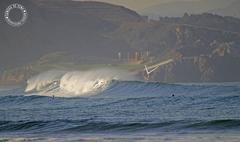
[75,83]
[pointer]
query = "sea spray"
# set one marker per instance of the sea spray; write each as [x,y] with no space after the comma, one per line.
[41,81]
[75,83]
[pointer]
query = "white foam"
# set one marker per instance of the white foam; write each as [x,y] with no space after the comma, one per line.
[37,83]
[75,83]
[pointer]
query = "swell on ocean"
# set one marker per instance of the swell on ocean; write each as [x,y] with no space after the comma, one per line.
[109,102]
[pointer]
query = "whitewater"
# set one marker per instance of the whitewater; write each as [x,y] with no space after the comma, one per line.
[75,83]
[113,106]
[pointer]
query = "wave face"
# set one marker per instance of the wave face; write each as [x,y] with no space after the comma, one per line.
[74,83]
[127,107]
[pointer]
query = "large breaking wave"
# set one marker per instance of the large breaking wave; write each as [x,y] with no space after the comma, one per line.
[122,106]
[74,83]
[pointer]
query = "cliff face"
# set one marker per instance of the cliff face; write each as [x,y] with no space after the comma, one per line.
[207,53]
[200,69]
[77,27]
[204,47]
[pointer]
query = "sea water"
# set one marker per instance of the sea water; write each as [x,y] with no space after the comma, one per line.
[120,110]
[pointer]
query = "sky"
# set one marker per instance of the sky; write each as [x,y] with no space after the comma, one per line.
[137,4]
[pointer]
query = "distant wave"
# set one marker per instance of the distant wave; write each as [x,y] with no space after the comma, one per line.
[74,83]
[109,81]
[123,106]
[88,125]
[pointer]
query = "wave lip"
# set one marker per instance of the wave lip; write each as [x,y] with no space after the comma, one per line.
[84,82]
[74,83]
[43,80]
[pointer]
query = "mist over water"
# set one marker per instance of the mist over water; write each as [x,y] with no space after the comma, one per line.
[42,80]
[75,83]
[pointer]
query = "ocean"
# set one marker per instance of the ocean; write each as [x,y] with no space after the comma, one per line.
[113,110]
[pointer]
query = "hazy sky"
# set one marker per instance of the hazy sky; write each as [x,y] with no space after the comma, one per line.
[138,4]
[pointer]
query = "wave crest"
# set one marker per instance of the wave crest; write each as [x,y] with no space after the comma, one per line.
[41,81]
[74,83]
